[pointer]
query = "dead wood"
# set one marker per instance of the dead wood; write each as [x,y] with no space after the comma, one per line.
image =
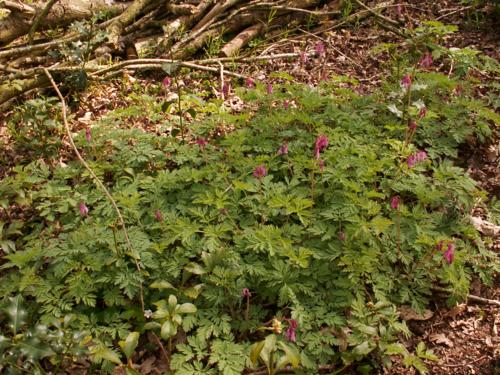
[242,39]
[20,20]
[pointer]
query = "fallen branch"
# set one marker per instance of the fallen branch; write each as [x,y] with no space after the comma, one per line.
[242,39]
[470,297]
[158,63]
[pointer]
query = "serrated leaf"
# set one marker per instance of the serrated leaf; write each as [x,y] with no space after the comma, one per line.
[107,354]
[128,346]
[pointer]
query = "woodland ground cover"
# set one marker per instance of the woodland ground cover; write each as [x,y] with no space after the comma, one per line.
[282,236]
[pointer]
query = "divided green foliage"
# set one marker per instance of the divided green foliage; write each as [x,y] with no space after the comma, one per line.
[312,237]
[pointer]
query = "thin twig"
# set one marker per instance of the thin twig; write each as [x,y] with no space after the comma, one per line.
[471,297]
[158,63]
[378,15]
[94,176]
[455,11]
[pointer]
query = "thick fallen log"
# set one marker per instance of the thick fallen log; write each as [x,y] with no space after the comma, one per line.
[21,16]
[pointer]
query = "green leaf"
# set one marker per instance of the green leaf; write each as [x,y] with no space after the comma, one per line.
[161,285]
[269,347]
[168,330]
[363,349]
[103,352]
[170,68]
[194,291]
[172,302]
[195,268]
[255,352]
[16,313]
[292,356]
[128,346]
[186,308]
[152,325]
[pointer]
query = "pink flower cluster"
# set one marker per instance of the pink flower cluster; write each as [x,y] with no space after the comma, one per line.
[260,172]
[416,158]
[320,145]
[290,332]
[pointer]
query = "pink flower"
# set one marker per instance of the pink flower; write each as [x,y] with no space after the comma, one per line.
[412,125]
[411,161]
[166,81]
[158,215]
[286,103]
[425,60]
[395,202]
[449,254]
[320,145]
[319,49]
[421,156]
[290,332]
[269,88]
[260,172]
[225,90]
[202,142]
[342,236]
[406,81]
[84,210]
[439,246]
[88,135]
[283,150]
[246,293]
[250,83]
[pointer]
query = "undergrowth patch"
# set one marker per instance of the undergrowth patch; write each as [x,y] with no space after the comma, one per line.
[284,237]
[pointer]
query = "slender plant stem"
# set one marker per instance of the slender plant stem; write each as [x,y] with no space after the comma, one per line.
[96,179]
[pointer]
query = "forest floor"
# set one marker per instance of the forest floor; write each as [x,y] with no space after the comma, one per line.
[465,337]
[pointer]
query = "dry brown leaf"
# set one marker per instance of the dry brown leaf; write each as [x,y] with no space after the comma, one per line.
[407,313]
[440,338]
[147,365]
